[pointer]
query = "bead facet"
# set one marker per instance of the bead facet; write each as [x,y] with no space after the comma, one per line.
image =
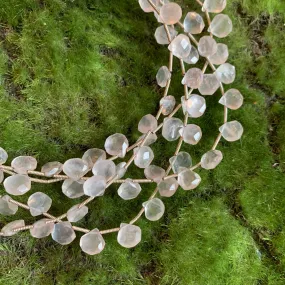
[207,46]
[231,131]
[167,187]
[143,156]
[94,186]
[167,104]
[91,156]
[162,76]
[154,173]
[148,123]
[195,106]
[188,179]
[104,168]
[193,23]
[171,127]
[8,230]
[180,161]
[221,55]
[63,233]
[211,159]
[117,144]
[3,155]
[23,164]
[209,85]
[221,26]
[129,235]
[39,203]
[191,134]
[214,6]
[193,56]
[75,168]
[52,168]
[17,184]
[154,209]
[193,78]
[72,189]
[121,170]
[232,99]
[161,35]
[226,73]
[129,190]
[180,46]
[92,243]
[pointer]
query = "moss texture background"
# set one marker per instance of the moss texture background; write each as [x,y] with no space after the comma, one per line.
[70,71]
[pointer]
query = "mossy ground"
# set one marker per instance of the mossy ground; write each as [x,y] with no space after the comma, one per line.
[73,72]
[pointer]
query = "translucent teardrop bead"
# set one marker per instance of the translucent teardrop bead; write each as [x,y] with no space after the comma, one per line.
[232,99]
[180,46]
[231,131]
[193,78]
[209,85]
[167,104]
[193,23]
[8,230]
[161,35]
[180,161]
[171,127]
[94,186]
[162,76]
[3,156]
[191,134]
[221,55]
[75,168]
[167,187]
[39,203]
[143,156]
[211,159]
[195,106]
[117,144]
[154,173]
[193,56]
[17,184]
[207,46]
[129,235]
[214,6]
[72,189]
[226,73]
[148,123]
[92,243]
[154,209]
[129,190]
[23,164]
[121,170]
[188,179]
[41,228]
[104,168]
[170,13]
[221,26]
[63,233]
[91,156]
[52,168]
[6,207]
[146,7]
[75,214]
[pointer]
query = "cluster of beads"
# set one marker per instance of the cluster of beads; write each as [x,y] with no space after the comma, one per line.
[104,171]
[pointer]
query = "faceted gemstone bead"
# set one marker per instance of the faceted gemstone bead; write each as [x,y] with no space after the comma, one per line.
[167,187]
[191,134]
[146,7]
[91,156]
[1,176]
[75,168]
[17,184]
[180,161]
[3,156]
[195,106]
[193,23]
[162,76]
[94,186]
[214,6]
[8,230]
[72,189]
[154,209]
[129,235]
[92,243]
[231,131]
[41,228]
[161,35]
[121,170]
[52,168]
[129,190]
[144,156]
[193,78]
[6,207]
[152,138]
[221,55]
[209,85]
[148,123]
[39,203]
[226,73]
[211,159]
[104,168]
[221,26]
[63,233]
[232,99]
[180,46]
[170,13]
[154,173]
[207,46]
[22,164]
[117,144]
[167,103]
[75,214]
[171,127]
[193,56]
[188,179]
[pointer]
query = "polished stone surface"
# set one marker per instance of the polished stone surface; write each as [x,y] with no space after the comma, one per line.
[129,190]
[207,46]
[129,235]
[7,208]
[188,179]
[17,185]
[148,123]
[193,23]
[180,46]
[221,26]
[63,233]
[170,13]
[154,209]
[117,144]
[72,189]
[92,243]
[52,168]
[195,106]
[75,168]
[155,173]
[23,164]
[39,203]
[94,186]
[41,228]
[232,99]
[209,85]
[75,214]
[104,168]
[167,187]
[171,127]
[231,131]
[191,134]
[211,159]
[91,156]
